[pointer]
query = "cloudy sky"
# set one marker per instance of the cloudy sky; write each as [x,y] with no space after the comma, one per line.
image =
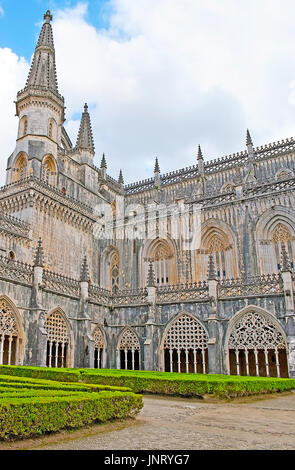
[160,76]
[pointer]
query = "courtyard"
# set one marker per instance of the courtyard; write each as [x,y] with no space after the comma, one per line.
[193,424]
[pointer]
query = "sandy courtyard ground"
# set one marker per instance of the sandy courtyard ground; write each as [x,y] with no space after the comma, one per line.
[178,424]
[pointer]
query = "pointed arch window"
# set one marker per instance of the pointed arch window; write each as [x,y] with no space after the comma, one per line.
[216,246]
[10,338]
[48,170]
[58,340]
[21,168]
[185,346]
[99,348]
[257,347]
[163,258]
[129,349]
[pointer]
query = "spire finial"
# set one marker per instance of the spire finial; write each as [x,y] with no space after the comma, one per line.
[39,261]
[211,268]
[151,282]
[85,136]
[248,138]
[157,166]
[200,155]
[48,17]
[103,164]
[84,271]
[121,179]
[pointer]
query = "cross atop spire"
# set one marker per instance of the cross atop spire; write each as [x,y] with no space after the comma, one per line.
[85,136]
[48,17]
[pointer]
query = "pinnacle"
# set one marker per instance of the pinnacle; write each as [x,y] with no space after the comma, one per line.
[248,138]
[286,266]
[121,179]
[157,166]
[211,268]
[200,155]
[39,261]
[85,136]
[103,162]
[84,271]
[151,282]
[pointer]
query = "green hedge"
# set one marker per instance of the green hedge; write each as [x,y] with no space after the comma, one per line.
[163,383]
[31,416]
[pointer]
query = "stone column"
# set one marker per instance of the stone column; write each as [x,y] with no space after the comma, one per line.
[214,350]
[148,353]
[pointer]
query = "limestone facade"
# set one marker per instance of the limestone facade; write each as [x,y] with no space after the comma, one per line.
[96,273]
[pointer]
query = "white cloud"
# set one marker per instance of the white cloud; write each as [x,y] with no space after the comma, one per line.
[12,78]
[1,11]
[171,74]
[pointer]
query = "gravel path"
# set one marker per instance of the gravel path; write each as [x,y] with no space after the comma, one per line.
[178,424]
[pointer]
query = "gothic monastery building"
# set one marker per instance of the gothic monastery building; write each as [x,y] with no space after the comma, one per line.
[98,274]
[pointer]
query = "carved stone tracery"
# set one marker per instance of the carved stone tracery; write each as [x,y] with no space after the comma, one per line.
[129,341]
[186,333]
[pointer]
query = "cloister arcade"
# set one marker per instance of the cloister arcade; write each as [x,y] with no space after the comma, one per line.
[185,346]
[129,350]
[11,334]
[58,340]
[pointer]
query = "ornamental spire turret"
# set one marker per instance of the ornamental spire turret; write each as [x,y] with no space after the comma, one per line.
[43,69]
[85,136]
[157,173]
[103,167]
[200,159]
[157,166]
[286,265]
[121,179]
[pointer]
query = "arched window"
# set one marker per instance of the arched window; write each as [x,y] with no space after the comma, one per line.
[52,129]
[23,126]
[257,347]
[10,338]
[129,349]
[58,340]
[162,255]
[99,348]
[20,168]
[216,246]
[282,235]
[185,346]
[49,170]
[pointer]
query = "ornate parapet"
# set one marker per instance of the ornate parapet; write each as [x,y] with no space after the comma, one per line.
[61,284]
[15,271]
[270,284]
[183,293]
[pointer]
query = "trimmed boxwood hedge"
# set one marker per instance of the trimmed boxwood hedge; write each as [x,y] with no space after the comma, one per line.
[164,383]
[31,416]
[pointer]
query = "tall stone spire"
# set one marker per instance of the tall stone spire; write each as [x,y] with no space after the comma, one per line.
[157,166]
[43,69]
[121,179]
[85,136]
[200,159]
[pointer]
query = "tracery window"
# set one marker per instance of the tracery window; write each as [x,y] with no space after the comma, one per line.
[58,340]
[9,335]
[163,260]
[48,170]
[129,349]
[186,346]
[99,348]
[257,347]
[20,169]
[216,246]
[282,235]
